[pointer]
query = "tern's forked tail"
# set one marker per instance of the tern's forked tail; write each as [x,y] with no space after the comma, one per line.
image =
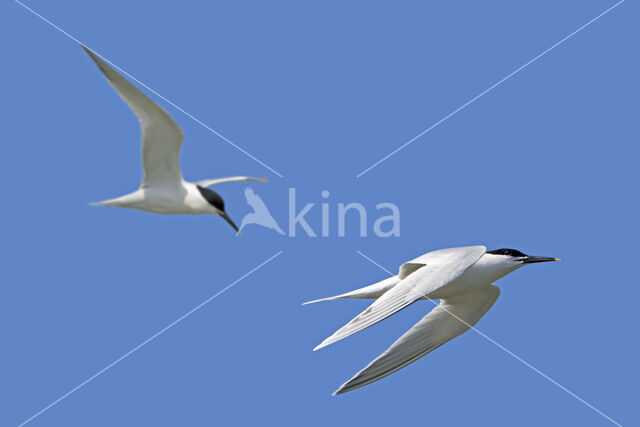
[128,200]
[368,292]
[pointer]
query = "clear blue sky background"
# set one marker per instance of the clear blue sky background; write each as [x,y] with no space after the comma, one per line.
[546,163]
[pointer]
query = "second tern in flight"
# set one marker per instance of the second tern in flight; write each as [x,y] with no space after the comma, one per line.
[461,278]
[163,190]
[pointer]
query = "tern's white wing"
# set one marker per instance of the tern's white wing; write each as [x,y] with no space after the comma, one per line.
[161,136]
[214,181]
[431,257]
[441,267]
[445,322]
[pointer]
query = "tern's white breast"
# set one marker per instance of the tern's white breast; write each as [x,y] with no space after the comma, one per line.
[179,199]
[484,272]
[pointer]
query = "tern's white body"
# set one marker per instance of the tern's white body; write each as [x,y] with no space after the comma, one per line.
[461,278]
[184,198]
[479,275]
[163,190]
[488,269]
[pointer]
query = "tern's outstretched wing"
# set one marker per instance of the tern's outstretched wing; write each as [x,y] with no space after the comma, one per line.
[441,267]
[445,322]
[161,136]
[214,181]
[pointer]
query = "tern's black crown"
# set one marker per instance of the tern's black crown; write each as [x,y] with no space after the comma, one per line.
[212,198]
[507,252]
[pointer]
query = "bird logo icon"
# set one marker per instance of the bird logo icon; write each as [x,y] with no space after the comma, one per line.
[260,214]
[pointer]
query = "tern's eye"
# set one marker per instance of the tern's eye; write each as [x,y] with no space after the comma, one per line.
[507,252]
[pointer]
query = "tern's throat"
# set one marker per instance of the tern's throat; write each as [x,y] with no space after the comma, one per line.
[490,268]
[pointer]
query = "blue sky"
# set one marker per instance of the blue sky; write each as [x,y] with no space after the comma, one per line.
[545,163]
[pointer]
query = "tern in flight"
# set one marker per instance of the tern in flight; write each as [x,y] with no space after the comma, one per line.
[163,190]
[461,278]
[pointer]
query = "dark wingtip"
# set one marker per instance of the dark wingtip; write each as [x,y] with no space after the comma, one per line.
[88,51]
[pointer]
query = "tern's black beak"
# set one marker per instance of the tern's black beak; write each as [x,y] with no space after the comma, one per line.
[224,215]
[534,259]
